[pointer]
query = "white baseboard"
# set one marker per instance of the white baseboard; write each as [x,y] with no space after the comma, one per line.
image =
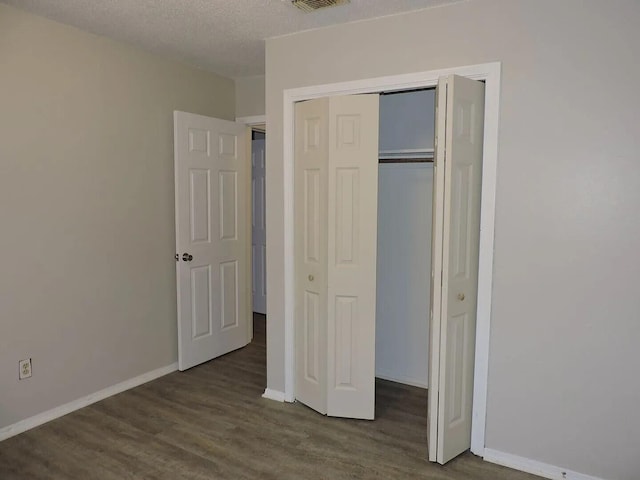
[273,395]
[533,466]
[44,417]
[414,382]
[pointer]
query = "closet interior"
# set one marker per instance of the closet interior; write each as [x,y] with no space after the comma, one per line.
[405,196]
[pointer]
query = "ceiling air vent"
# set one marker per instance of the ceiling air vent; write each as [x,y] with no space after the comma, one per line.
[313,5]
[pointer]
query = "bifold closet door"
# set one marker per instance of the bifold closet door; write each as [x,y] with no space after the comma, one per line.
[455,248]
[310,250]
[336,182]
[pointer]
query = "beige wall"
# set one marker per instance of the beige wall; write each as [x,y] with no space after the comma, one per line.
[250,96]
[565,329]
[87,282]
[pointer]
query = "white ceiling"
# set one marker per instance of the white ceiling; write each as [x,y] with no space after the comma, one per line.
[223,36]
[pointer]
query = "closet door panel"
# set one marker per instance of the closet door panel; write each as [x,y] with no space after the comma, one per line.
[457,209]
[310,250]
[352,222]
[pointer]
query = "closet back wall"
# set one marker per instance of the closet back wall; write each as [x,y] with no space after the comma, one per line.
[404,272]
[404,238]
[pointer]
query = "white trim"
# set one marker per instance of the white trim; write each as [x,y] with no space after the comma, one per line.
[289,274]
[273,395]
[485,260]
[490,72]
[252,120]
[414,382]
[534,467]
[44,417]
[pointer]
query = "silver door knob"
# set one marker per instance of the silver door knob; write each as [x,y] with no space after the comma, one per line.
[461,296]
[311,278]
[186,257]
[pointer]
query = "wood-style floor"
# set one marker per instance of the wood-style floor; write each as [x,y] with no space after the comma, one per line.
[210,422]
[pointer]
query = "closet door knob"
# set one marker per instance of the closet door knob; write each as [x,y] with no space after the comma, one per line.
[311,278]
[461,296]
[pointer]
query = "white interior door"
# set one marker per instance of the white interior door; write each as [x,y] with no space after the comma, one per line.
[458,176]
[212,238]
[258,229]
[336,182]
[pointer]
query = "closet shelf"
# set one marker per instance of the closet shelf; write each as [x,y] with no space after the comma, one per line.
[406,156]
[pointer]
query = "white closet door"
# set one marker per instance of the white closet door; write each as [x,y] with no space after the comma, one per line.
[457,211]
[336,181]
[212,237]
[353,225]
[258,233]
[310,247]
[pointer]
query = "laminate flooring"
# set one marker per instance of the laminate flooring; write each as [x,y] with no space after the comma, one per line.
[210,422]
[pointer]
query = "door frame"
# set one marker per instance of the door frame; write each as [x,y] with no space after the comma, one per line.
[255,122]
[491,74]
[253,129]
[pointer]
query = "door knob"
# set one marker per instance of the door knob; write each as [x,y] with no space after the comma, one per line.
[187,257]
[311,278]
[461,296]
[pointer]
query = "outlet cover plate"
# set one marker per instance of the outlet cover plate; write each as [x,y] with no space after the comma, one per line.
[24,368]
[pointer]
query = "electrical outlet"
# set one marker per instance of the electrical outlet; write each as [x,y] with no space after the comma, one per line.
[24,369]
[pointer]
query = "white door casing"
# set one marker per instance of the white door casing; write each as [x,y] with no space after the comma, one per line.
[336,179]
[457,195]
[258,227]
[212,208]
[490,73]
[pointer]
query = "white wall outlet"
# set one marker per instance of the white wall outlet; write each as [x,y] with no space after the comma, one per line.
[24,369]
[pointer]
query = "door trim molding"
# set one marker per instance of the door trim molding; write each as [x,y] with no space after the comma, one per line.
[275,395]
[252,120]
[490,73]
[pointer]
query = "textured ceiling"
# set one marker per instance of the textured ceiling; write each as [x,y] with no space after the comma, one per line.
[223,36]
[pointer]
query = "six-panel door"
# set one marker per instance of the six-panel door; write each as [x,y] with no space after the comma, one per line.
[461,136]
[212,178]
[336,180]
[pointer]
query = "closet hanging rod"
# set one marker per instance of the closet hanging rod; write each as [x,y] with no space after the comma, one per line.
[406,160]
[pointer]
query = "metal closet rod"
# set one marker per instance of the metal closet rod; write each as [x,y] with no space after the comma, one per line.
[406,160]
